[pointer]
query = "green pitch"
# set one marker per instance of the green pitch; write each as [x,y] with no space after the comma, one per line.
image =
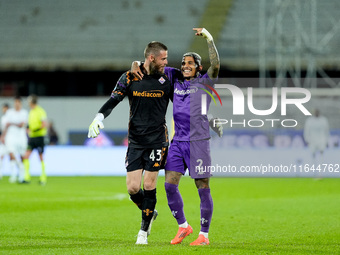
[93,215]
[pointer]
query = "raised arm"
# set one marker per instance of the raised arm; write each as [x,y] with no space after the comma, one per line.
[213,54]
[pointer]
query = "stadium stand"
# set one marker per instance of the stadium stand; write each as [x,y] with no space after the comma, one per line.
[49,35]
[85,35]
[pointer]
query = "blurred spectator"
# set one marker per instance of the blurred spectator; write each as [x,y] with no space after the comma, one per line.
[52,134]
[3,150]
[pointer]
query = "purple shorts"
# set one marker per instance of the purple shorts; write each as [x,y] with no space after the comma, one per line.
[194,156]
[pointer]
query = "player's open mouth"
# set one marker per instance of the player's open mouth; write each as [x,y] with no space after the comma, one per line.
[187,71]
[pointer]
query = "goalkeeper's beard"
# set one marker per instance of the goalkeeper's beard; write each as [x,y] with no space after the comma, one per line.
[156,69]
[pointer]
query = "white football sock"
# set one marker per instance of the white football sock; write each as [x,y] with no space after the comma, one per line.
[184,225]
[12,167]
[205,234]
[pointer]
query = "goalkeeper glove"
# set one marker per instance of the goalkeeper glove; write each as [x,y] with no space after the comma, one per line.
[95,125]
[217,128]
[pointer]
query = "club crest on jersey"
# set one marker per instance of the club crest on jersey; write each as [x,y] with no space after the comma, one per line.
[161,80]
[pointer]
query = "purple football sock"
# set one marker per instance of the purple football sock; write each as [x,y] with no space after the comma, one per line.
[206,209]
[175,202]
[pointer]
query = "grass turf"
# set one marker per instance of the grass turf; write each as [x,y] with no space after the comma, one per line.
[93,215]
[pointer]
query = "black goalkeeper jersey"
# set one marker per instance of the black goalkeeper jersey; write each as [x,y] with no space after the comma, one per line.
[149,99]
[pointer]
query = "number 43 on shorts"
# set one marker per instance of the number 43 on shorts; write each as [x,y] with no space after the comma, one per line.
[156,155]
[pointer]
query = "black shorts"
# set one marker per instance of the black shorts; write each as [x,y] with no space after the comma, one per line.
[37,143]
[146,159]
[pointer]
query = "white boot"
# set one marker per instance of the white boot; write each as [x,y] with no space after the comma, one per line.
[142,237]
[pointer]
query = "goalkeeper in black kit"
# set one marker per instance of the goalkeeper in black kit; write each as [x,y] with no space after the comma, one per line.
[147,132]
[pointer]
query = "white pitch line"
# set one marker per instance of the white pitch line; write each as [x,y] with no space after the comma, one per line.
[117,196]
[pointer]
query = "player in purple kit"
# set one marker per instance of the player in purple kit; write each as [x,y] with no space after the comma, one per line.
[190,147]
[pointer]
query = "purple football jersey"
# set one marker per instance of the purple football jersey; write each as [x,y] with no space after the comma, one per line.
[190,124]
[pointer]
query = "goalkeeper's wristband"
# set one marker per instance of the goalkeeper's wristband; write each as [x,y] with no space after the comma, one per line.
[99,116]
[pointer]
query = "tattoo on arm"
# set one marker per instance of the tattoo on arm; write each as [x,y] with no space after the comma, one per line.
[214,60]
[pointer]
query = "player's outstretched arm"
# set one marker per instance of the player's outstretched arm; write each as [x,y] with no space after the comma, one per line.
[117,96]
[213,54]
[103,112]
